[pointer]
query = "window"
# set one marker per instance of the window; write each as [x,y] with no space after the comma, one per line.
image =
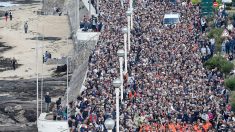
[171,20]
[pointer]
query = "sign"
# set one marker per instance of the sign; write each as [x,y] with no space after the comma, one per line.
[225,33]
[215,4]
[206,7]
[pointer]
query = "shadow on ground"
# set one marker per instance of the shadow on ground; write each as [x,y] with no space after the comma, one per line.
[45,38]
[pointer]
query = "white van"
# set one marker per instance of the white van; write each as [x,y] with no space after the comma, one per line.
[171,19]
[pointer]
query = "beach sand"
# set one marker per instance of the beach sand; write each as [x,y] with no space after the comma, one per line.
[24,45]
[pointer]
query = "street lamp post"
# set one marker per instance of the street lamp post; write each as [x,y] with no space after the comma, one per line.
[117,83]
[121,54]
[124,30]
[97,7]
[42,71]
[89,8]
[37,72]
[122,3]
[129,13]
[132,18]
[131,3]
[67,81]
[109,124]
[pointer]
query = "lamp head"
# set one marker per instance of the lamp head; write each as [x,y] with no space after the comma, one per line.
[121,53]
[124,30]
[117,83]
[109,124]
[129,12]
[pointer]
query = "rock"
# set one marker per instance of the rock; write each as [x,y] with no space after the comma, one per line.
[4,119]
[18,108]
[9,109]
[20,117]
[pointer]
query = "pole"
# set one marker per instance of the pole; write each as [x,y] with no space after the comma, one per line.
[121,76]
[132,19]
[131,2]
[42,76]
[67,80]
[97,6]
[76,17]
[117,109]
[89,8]
[129,33]
[37,72]
[125,48]
[78,14]
[122,3]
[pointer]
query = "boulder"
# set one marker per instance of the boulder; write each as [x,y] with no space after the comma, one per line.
[4,119]
[9,109]
[18,108]
[20,117]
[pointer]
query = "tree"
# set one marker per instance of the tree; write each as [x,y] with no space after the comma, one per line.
[195,2]
[216,33]
[221,63]
[230,83]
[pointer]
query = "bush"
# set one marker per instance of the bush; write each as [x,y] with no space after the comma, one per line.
[233,106]
[227,67]
[195,2]
[216,33]
[221,63]
[230,83]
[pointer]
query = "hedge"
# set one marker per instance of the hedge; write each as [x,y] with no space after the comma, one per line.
[230,83]
[216,33]
[195,2]
[221,63]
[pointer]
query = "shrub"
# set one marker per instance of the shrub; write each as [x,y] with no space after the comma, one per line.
[227,67]
[195,2]
[221,63]
[230,83]
[216,33]
[233,106]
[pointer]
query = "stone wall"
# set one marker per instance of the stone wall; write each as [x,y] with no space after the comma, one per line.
[80,62]
[82,49]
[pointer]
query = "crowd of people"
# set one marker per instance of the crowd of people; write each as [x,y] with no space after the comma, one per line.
[166,87]
[92,24]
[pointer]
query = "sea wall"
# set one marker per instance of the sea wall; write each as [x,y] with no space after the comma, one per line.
[82,49]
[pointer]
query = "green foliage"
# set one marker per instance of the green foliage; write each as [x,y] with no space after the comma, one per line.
[219,1]
[221,63]
[227,67]
[216,33]
[230,83]
[195,2]
[233,106]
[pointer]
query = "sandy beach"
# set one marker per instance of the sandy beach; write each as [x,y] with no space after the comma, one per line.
[12,33]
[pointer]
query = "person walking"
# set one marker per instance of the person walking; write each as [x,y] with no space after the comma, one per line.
[58,103]
[6,16]
[47,101]
[10,15]
[26,27]
[14,63]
